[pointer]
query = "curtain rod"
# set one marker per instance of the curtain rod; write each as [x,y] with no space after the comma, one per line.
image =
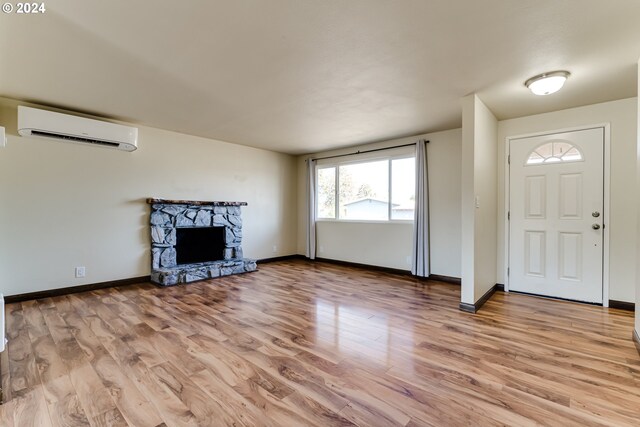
[365,151]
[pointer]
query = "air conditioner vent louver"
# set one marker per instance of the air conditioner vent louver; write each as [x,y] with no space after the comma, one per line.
[33,122]
[73,138]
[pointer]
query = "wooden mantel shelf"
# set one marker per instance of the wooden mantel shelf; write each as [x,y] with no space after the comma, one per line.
[152,201]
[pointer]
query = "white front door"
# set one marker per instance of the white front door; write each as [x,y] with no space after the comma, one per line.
[556,215]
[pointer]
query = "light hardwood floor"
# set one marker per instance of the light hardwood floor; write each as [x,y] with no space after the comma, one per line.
[299,344]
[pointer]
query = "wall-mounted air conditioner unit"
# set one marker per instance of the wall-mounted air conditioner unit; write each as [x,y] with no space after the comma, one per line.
[67,128]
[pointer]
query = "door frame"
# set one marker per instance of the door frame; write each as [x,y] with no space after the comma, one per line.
[606,214]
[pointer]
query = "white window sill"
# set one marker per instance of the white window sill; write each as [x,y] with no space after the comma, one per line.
[366,221]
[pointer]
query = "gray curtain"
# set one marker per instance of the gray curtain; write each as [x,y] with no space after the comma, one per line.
[311,209]
[420,258]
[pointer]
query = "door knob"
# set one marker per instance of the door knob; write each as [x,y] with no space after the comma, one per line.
[596,226]
[595,214]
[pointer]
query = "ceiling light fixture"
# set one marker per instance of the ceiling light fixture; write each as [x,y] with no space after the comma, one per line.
[547,83]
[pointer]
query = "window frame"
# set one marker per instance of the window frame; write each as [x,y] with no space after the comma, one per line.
[336,164]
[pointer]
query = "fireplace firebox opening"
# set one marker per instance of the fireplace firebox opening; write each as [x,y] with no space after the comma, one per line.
[199,244]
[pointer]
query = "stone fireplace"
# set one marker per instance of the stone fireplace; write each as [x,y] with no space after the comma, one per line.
[207,234]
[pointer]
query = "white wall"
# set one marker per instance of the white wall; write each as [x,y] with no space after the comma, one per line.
[622,115]
[468,216]
[64,205]
[478,194]
[485,160]
[389,244]
[445,210]
[637,254]
[374,243]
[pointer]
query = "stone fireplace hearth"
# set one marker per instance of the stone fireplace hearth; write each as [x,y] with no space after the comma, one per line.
[169,216]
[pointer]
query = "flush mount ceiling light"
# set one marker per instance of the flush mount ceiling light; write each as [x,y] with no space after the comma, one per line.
[547,83]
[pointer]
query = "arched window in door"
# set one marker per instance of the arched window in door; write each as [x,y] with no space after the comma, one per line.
[555,152]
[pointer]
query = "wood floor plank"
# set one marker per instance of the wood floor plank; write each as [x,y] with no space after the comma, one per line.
[34,320]
[29,409]
[48,360]
[111,418]
[243,411]
[275,411]
[296,376]
[168,407]
[315,412]
[93,396]
[5,376]
[6,413]
[317,344]
[63,403]
[23,370]
[206,411]
[133,406]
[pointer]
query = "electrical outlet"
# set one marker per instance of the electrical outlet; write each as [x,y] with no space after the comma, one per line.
[80,272]
[408,260]
[321,249]
[275,248]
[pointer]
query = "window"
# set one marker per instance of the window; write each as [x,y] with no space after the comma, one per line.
[327,193]
[403,188]
[363,190]
[554,152]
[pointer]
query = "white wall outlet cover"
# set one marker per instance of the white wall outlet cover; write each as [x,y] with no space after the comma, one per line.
[3,138]
[80,272]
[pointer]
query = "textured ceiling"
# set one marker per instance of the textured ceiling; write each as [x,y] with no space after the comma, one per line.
[300,76]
